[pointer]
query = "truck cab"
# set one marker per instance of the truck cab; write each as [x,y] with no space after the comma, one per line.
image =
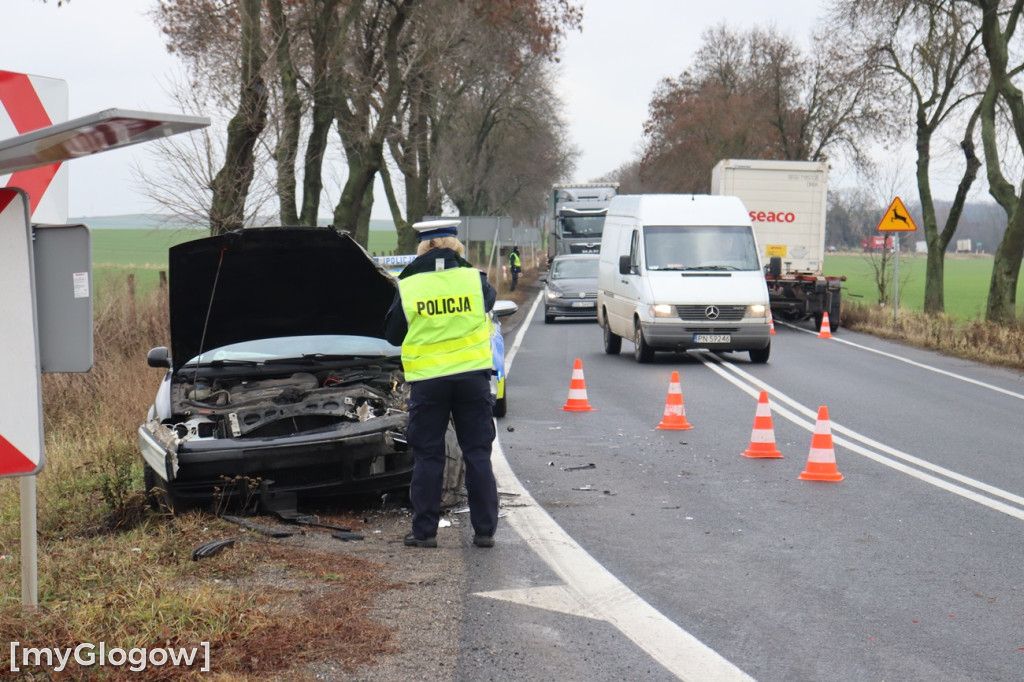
[578,215]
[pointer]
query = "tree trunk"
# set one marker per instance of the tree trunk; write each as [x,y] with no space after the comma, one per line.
[363,138]
[288,140]
[231,184]
[325,36]
[938,241]
[362,167]
[1002,295]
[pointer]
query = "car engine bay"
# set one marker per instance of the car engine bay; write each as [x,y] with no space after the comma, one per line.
[272,405]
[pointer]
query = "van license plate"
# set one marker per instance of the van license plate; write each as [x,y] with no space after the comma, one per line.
[582,304]
[712,338]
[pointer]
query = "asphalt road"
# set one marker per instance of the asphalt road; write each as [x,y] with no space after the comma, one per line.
[676,557]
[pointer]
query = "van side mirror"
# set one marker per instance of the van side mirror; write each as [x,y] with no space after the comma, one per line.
[624,268]
[775,266]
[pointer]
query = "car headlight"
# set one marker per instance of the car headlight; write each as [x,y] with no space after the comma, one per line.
[757,310]
[552,295]
[661,310]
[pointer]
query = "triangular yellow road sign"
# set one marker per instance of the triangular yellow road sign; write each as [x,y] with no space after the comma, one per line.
[896,219]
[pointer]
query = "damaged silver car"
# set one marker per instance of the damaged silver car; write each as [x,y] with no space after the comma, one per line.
[279,386]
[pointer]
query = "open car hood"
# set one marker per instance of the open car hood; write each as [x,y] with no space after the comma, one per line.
[279,281]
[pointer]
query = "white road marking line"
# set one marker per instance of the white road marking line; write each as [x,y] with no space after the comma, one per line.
[558,598]
[952,375]
[599,593]
[590,590]
[716,365]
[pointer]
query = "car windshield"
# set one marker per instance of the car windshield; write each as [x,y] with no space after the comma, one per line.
[698,247]
[297,347]
[574,269]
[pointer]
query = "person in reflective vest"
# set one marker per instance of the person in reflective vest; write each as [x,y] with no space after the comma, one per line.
[440,317]
[515,266]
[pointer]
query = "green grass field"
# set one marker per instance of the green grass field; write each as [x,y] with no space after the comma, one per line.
[117,252]
[966,287]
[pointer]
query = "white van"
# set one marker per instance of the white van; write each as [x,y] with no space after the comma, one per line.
[680,271]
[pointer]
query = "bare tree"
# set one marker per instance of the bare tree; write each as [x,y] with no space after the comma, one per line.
[756,95]
[178,173]
[231,184]
[999,21]
[931,49]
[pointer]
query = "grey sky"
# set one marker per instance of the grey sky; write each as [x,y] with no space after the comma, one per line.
[111,55]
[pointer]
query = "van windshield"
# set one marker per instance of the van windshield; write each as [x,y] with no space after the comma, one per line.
[700,247]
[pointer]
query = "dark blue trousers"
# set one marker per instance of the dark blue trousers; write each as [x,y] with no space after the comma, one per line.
[466,399]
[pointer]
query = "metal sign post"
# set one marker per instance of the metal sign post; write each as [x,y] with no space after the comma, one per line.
[42,145]
[896,219]
[896,280]
[21,405]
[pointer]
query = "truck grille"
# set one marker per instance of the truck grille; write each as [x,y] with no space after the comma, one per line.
[704,313]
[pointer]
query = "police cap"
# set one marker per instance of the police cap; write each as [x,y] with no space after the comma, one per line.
[436,228]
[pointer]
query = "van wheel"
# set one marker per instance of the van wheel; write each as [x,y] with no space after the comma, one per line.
[759,356]
[612,342]
[641,351]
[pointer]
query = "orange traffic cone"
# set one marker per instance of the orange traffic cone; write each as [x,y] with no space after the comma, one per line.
[577,401]
[762,438]
[771,322]
[675,413]
[826,330]
[821,462]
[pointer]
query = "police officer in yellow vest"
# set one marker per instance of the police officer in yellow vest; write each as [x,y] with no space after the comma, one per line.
[515,264]
[440,318]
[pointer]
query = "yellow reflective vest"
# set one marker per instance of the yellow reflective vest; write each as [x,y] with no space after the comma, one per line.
[449,330]
[514,260]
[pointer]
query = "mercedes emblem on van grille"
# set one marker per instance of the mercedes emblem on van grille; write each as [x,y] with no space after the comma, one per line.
[711,312]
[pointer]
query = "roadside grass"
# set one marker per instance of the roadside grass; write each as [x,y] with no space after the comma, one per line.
[969,339]
[961,331]
[111,570]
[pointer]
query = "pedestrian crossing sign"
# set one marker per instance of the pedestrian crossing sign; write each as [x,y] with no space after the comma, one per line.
[896,219]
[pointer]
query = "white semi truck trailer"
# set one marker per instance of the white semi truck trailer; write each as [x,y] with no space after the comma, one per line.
[787,202]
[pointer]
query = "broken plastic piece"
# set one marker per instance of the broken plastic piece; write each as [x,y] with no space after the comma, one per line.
[265,530]
[345,536]
[208,549]
[582,466]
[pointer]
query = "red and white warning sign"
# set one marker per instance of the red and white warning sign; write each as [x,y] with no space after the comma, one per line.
[29,103]
[21,428]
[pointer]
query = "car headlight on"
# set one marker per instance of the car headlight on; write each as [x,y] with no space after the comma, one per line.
[552,295]
[757,310]
[661,310]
